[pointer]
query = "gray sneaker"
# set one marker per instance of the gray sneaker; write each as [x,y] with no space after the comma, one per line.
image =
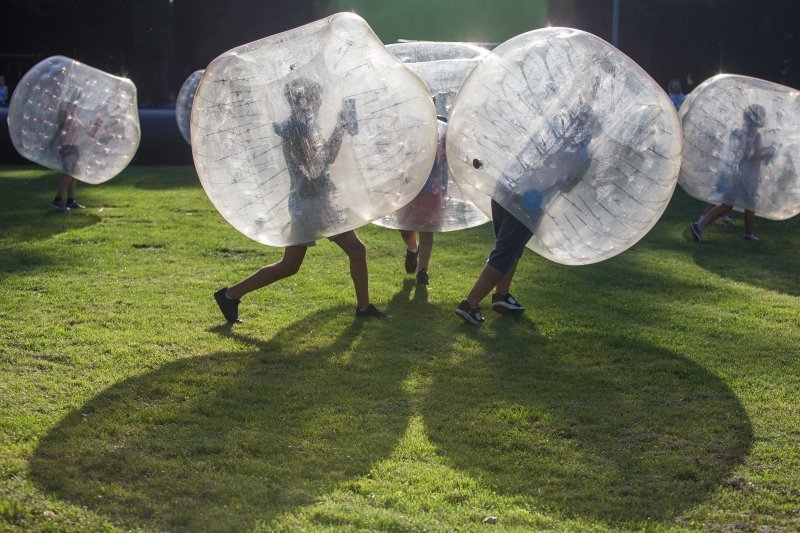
[60,205]
[505,304]
[471,315]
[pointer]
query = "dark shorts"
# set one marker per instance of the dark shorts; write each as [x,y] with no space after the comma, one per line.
[511,235]
[69,154]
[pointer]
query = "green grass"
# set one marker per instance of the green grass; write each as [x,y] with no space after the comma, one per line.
[657,390]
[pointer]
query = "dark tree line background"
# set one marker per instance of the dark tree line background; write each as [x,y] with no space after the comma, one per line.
[158,43]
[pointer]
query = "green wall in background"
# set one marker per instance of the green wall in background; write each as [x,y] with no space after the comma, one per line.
[492,21]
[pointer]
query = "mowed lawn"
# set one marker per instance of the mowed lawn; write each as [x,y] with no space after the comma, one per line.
[657,390]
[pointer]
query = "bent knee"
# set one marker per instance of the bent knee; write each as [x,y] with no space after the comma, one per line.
[289,268]
[357,250]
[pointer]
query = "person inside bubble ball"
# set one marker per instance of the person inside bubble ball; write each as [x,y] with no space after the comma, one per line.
[69,131]
[312,193]
[425,210]
[559,159]
[739,184]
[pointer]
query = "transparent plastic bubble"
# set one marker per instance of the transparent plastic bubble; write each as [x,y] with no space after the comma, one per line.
[311,132]
[75,119]
[441,205]
[570,136]
[741,145]
[183,106]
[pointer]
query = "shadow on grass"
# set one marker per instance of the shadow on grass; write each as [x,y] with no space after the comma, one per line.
[593,425]
[28,215]
[768,264]
[590,424]
[229,440]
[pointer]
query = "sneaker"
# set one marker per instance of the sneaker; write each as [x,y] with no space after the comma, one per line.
[370,311]
[697,231]
[411,261]
[726,219]
[61,205]
[422,277]
[75,205]
[471,315]
[750,237]
[228,306]
[505,304]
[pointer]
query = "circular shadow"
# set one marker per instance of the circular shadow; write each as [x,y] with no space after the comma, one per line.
[587,425]
[233,439]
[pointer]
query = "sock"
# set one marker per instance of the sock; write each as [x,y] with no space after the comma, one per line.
[415,250]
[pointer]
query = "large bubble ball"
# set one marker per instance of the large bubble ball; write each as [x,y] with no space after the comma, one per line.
[311,132]
[570,136]
[741,145]
[75,119]
[441,205]
[183,105]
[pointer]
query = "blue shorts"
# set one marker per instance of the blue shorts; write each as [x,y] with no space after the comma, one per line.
[511,235]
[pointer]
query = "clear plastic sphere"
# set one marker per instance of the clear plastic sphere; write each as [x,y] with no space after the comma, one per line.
[441,205]
[75,119]
[311,132]
[183,106]
[741,145]
[570,136]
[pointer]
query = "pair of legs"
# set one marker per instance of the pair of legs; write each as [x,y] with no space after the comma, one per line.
[511,235]
[712,213]
[290,264]
[418,253]
[66,187]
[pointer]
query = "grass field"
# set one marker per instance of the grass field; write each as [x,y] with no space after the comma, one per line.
[657,390]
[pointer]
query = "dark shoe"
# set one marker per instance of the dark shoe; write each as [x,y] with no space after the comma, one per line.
[697,231]
[228,306]
[422,277]
[60,205]
[411,261]
[370,311]
[505,304]
[75,205]
[750,237]
[471,315]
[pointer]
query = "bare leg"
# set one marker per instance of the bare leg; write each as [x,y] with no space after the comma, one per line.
[713,214]
[71,188]
[504,284]
[288,266]
[749,221]
[64,185]
[487,280]
[357,252]
[425,248]
[410,238]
